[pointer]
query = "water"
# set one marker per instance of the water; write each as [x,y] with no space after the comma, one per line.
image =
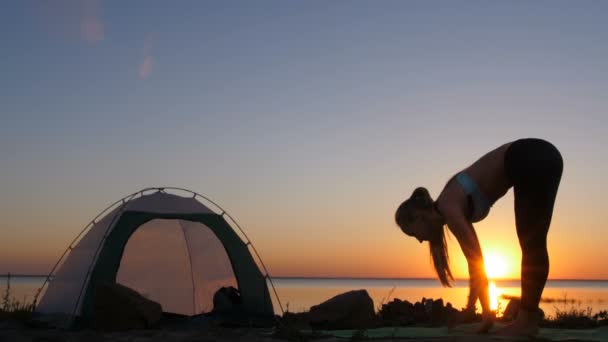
[23,289]
[299,294]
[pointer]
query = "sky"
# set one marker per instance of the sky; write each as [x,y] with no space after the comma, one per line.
[308,121]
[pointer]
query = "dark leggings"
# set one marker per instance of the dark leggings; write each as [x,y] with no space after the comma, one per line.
[534,166]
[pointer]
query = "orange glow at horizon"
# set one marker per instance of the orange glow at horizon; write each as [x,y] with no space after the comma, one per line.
[384,253]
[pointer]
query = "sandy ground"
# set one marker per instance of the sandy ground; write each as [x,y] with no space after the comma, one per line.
[17,333]
[207,335]
[201,336]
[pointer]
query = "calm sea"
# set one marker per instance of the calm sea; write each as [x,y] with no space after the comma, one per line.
[299,294]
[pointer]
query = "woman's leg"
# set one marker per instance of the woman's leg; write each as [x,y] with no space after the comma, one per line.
[533,213]
[535,167]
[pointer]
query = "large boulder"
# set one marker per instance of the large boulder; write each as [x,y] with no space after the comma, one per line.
[118,307]
[349,310]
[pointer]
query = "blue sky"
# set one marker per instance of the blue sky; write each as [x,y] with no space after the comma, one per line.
[305,119]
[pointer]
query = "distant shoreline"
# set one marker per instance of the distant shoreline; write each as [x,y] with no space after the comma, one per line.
[430,279]
[352,278]
[24,275]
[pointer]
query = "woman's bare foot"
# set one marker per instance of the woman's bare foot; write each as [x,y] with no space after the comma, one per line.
[486,323]
[526,324]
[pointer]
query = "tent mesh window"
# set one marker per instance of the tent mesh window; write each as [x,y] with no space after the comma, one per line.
[164,262]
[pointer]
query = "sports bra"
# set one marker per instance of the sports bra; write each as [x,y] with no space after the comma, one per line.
[481,204]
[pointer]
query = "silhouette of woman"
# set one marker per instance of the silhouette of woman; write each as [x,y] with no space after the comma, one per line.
[533,167]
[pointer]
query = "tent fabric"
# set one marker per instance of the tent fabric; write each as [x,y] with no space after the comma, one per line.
[174,249]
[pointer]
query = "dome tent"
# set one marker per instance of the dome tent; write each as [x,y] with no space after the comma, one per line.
[170,248]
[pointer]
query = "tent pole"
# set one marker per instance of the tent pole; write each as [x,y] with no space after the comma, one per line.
[71,245]
[191,269]
[101,243]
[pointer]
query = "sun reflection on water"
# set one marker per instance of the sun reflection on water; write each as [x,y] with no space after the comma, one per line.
[495,294]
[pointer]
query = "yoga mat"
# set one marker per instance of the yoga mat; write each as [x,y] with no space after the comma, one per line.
[598,334]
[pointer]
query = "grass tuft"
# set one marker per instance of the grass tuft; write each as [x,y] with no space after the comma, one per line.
[13,309]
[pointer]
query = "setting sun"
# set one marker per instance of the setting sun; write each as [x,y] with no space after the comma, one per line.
[496,266]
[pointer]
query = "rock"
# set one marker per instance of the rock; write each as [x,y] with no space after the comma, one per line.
[118,307]
[397,313]
[349,310]
[426,311]
[437,312]
[420,315]
[428,305]
[512,309]
[450,310]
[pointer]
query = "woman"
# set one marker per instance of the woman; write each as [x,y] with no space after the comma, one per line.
[533,167]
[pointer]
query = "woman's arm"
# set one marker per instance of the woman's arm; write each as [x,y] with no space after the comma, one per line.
[478,282]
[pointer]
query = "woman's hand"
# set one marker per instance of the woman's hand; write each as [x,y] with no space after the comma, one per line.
[479,291]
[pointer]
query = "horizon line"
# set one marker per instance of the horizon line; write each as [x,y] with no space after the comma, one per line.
[424,278]
[351,278]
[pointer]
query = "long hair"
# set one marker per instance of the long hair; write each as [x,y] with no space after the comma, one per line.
[438,249]
[421,200]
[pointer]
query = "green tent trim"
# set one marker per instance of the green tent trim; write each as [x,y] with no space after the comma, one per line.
[255,297]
